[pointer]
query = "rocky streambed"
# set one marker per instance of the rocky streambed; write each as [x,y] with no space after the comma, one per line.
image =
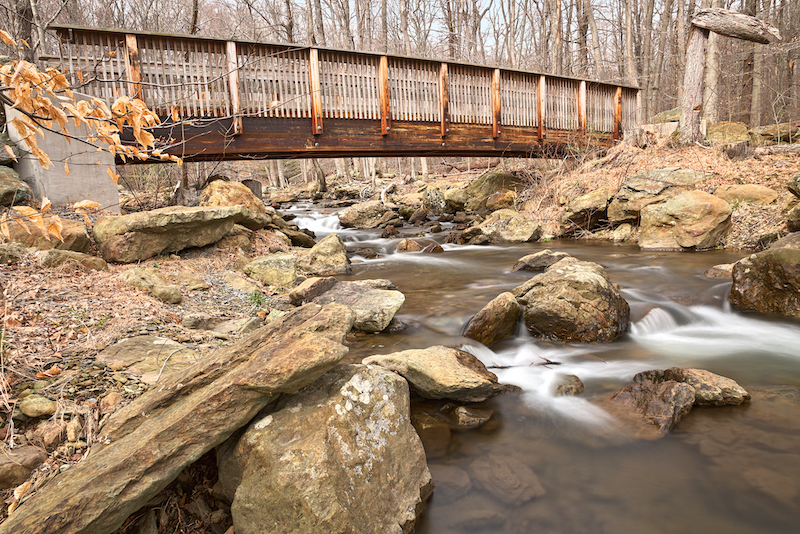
[566,386]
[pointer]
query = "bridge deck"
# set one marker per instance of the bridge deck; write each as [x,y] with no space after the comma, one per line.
[257,100]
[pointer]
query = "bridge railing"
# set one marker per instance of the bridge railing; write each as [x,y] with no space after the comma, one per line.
[207,78]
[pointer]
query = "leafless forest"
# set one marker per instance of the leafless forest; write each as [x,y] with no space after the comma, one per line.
[639,41]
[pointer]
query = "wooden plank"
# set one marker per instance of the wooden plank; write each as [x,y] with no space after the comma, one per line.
[496,104]
[618,114]
[383,91]
[582,107]
[132,66]
[314,88]
[541,102]
[233,87]
[444,101]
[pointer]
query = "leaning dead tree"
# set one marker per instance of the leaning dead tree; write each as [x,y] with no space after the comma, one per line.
[723,22]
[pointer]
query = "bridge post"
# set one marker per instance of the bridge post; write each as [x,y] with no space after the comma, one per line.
[233,87]
[383,93]
[444,101]
[132,66]
[496,104]
[541,101]
[582,107]
[316,93]
[618,114]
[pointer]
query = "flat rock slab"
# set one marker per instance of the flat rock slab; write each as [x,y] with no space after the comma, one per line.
[339,456]
[441,372]
[506,478]
[651,187]
[150,441]
[754,194]
[539,261]
[148,356]
[142,235]
[373,305]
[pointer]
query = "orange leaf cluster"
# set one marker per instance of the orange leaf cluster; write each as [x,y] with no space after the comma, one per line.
[46,100]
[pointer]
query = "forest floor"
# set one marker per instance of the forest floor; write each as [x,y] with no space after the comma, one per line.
[55,321]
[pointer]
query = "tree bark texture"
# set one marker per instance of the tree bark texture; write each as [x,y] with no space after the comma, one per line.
[736,25]
[692,100]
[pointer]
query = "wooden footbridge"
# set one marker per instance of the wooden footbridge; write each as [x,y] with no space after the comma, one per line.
[240,100]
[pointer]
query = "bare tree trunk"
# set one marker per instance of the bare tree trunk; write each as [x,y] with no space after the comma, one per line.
[312,39]
[748,61]
[304,170]
[755,101]
[647,59]
[281,175]
[630,65]
[322,185]
[288,25]
[319,32]
[692,101]
[583,39]
[384,27]
[24,16]
[423,162]
[711,83]
[666,17]
[404,26]
[273,174]
[596,52]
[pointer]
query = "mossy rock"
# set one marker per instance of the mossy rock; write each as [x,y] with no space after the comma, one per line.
[728,133]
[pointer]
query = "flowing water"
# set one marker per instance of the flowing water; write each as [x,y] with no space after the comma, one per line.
[730,469]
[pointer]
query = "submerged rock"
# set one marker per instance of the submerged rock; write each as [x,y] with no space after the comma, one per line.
[769,282]
[442,373]
[573,301]
[339,456]
[495,321]
[567,386]
[506,478]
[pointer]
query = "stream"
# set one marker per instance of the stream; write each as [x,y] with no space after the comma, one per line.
[725,469]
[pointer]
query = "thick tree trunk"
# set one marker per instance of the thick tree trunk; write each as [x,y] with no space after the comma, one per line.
[596,53]
[692,99]
[711,82]
[666,18]
[647,59]
[319,28]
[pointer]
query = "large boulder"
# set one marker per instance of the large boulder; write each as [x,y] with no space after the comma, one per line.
[650,187]
[142,235]
[694,220]
[370,214]
[150,441]
[339,456]
[374,305]
[495,321]
[481,189]
[221,193]
[13,190]
[442,373]
[728,133]
[769,282]
[507,226]
[586,211]
[278,269]
[661,399]
[74,234]
[751,193]
[573,301]
[328,257]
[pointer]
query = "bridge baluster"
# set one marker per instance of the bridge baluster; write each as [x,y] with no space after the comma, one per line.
[383,93]
[496,104]
[444,101]
[233,87]
[316,95]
